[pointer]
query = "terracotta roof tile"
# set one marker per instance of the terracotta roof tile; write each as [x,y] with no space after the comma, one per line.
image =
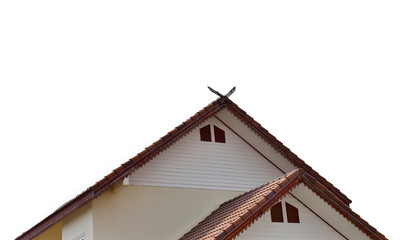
[254,208]
[109,176]
[151,147]
[237,222]
[158,142]
[236,211]
[210,106]
[229,228]
[202,111]
[143,153]
[174,131]
[189,121]
[182,126]
[276,188]
[284,182]
[166,137]
[220,236]
[120,168]
[135,158]
[96,185]
[102,181]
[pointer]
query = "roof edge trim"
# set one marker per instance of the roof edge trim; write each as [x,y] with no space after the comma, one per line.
[170,138]
[284,150]
[124,170]
[295,178]
[54,218]
[344,210]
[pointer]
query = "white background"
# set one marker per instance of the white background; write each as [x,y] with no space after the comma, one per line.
[85,85]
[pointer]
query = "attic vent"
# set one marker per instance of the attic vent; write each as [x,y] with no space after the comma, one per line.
[292,213]
[219,135]
[276,213]
[207,132]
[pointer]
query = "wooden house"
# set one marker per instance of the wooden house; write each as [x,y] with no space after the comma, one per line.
[218,175]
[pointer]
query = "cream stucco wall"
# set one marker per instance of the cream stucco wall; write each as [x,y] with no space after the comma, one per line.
[79,224]
[146,213]
[53,233]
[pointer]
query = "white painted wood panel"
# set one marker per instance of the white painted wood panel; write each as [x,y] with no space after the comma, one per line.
[256,141]
[310,226]
[191,163]
[329,214]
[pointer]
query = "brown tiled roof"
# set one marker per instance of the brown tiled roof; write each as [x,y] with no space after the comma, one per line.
[234,216]
[127,168]
[236,212]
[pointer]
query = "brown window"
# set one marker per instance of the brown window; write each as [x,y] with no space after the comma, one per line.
[205,133]
[276,213]
[292,214]
[219,135]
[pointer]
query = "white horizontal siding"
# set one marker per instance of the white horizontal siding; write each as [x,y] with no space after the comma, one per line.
[329,214]
[310,227]
[256,141]
[191,163]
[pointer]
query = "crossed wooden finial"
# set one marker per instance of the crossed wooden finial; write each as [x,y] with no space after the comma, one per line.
[223,96]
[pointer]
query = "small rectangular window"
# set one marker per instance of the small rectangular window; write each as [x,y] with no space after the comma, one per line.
[219,135]
[276,213]
[292,214]
[205,133]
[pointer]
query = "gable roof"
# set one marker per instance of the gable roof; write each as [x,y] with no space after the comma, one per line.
[127,168]
[234,216]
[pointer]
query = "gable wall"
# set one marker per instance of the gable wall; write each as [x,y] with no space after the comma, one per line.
[255,141]
[310,226]
[329,214]
[152,213]
[191,163]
